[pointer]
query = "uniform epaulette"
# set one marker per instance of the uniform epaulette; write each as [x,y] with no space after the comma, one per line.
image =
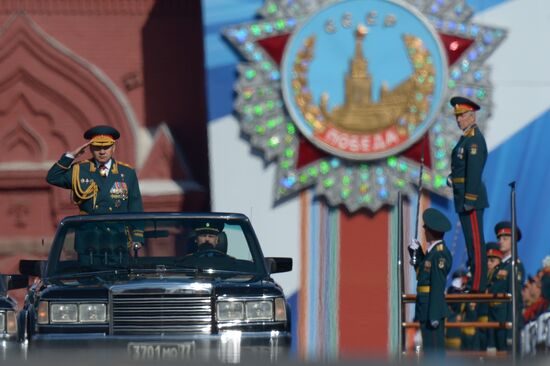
[89,161]
[125,164]
[439,247]
[471,132]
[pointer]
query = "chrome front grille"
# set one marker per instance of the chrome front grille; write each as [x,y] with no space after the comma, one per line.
[155,313]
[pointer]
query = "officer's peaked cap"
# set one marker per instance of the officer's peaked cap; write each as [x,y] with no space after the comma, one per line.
[102,135]
[209,227]
[462,105]
[436,221]
[493,250]
[505,228]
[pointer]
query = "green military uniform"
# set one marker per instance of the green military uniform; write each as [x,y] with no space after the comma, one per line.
[487,336]
[93,193]
[470,197]
[469,335]
[453,335]
[432,269]
[501,282]
[101,189]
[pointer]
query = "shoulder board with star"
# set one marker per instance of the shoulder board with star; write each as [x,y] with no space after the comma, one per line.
[124,164]
[85,162]
[470,133]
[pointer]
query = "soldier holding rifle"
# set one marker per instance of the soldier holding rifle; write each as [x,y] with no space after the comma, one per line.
[432,269]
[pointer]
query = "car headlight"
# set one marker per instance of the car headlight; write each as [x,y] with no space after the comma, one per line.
[252,310]
[71,313]
[63,313]
[92,313]
[259,310]
[230,311]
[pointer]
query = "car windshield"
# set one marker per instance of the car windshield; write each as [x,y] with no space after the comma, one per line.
[168,245]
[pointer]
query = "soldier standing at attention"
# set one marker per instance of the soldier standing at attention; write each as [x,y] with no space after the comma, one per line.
[453,338]
[494,258]
[432,269]
[470,196]
[501,282]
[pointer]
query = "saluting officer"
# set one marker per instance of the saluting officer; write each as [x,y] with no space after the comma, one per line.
[99,185]
[470,196]
[501,283]
[432,269]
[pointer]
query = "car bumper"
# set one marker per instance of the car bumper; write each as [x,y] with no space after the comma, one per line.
[228,346]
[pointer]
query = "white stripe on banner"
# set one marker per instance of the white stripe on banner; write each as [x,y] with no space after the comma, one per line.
[520,67]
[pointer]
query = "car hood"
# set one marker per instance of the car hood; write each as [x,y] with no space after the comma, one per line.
[88,288]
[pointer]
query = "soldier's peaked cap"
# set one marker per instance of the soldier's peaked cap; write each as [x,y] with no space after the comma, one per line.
[435,220]
[493,250]
[102,135]
[505,228]
[462,105]
[209,227]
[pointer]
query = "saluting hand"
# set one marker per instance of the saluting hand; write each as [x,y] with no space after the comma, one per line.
[80,150]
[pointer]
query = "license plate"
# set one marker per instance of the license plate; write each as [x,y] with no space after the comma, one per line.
[161,351]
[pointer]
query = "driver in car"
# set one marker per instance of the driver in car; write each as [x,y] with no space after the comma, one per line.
[207,236]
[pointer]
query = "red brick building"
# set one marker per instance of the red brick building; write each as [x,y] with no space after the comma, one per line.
[68,65]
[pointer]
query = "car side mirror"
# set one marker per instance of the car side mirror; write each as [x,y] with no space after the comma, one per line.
[12,282]
[279,264]
[32,267]
[18,281]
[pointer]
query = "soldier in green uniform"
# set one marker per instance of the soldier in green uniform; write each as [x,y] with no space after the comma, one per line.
[100,185]
[470,196]
[432,269]
[453,339]
[494,258]
[501,282]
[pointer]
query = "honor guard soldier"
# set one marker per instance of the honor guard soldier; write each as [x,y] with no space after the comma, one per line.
[99,185]
[432,269]
[501,283]
[470,196]
[453,338]
[494,258]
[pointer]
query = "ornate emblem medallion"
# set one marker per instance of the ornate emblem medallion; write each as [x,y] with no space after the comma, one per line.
[364,79]
[350,96]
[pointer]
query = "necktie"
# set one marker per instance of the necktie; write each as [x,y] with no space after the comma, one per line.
[103,170]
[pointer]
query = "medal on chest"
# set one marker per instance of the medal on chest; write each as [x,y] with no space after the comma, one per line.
[119,191]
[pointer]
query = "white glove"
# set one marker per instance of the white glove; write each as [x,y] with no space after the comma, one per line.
[449,181]
[457,282]
[414,244]
[434,323]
